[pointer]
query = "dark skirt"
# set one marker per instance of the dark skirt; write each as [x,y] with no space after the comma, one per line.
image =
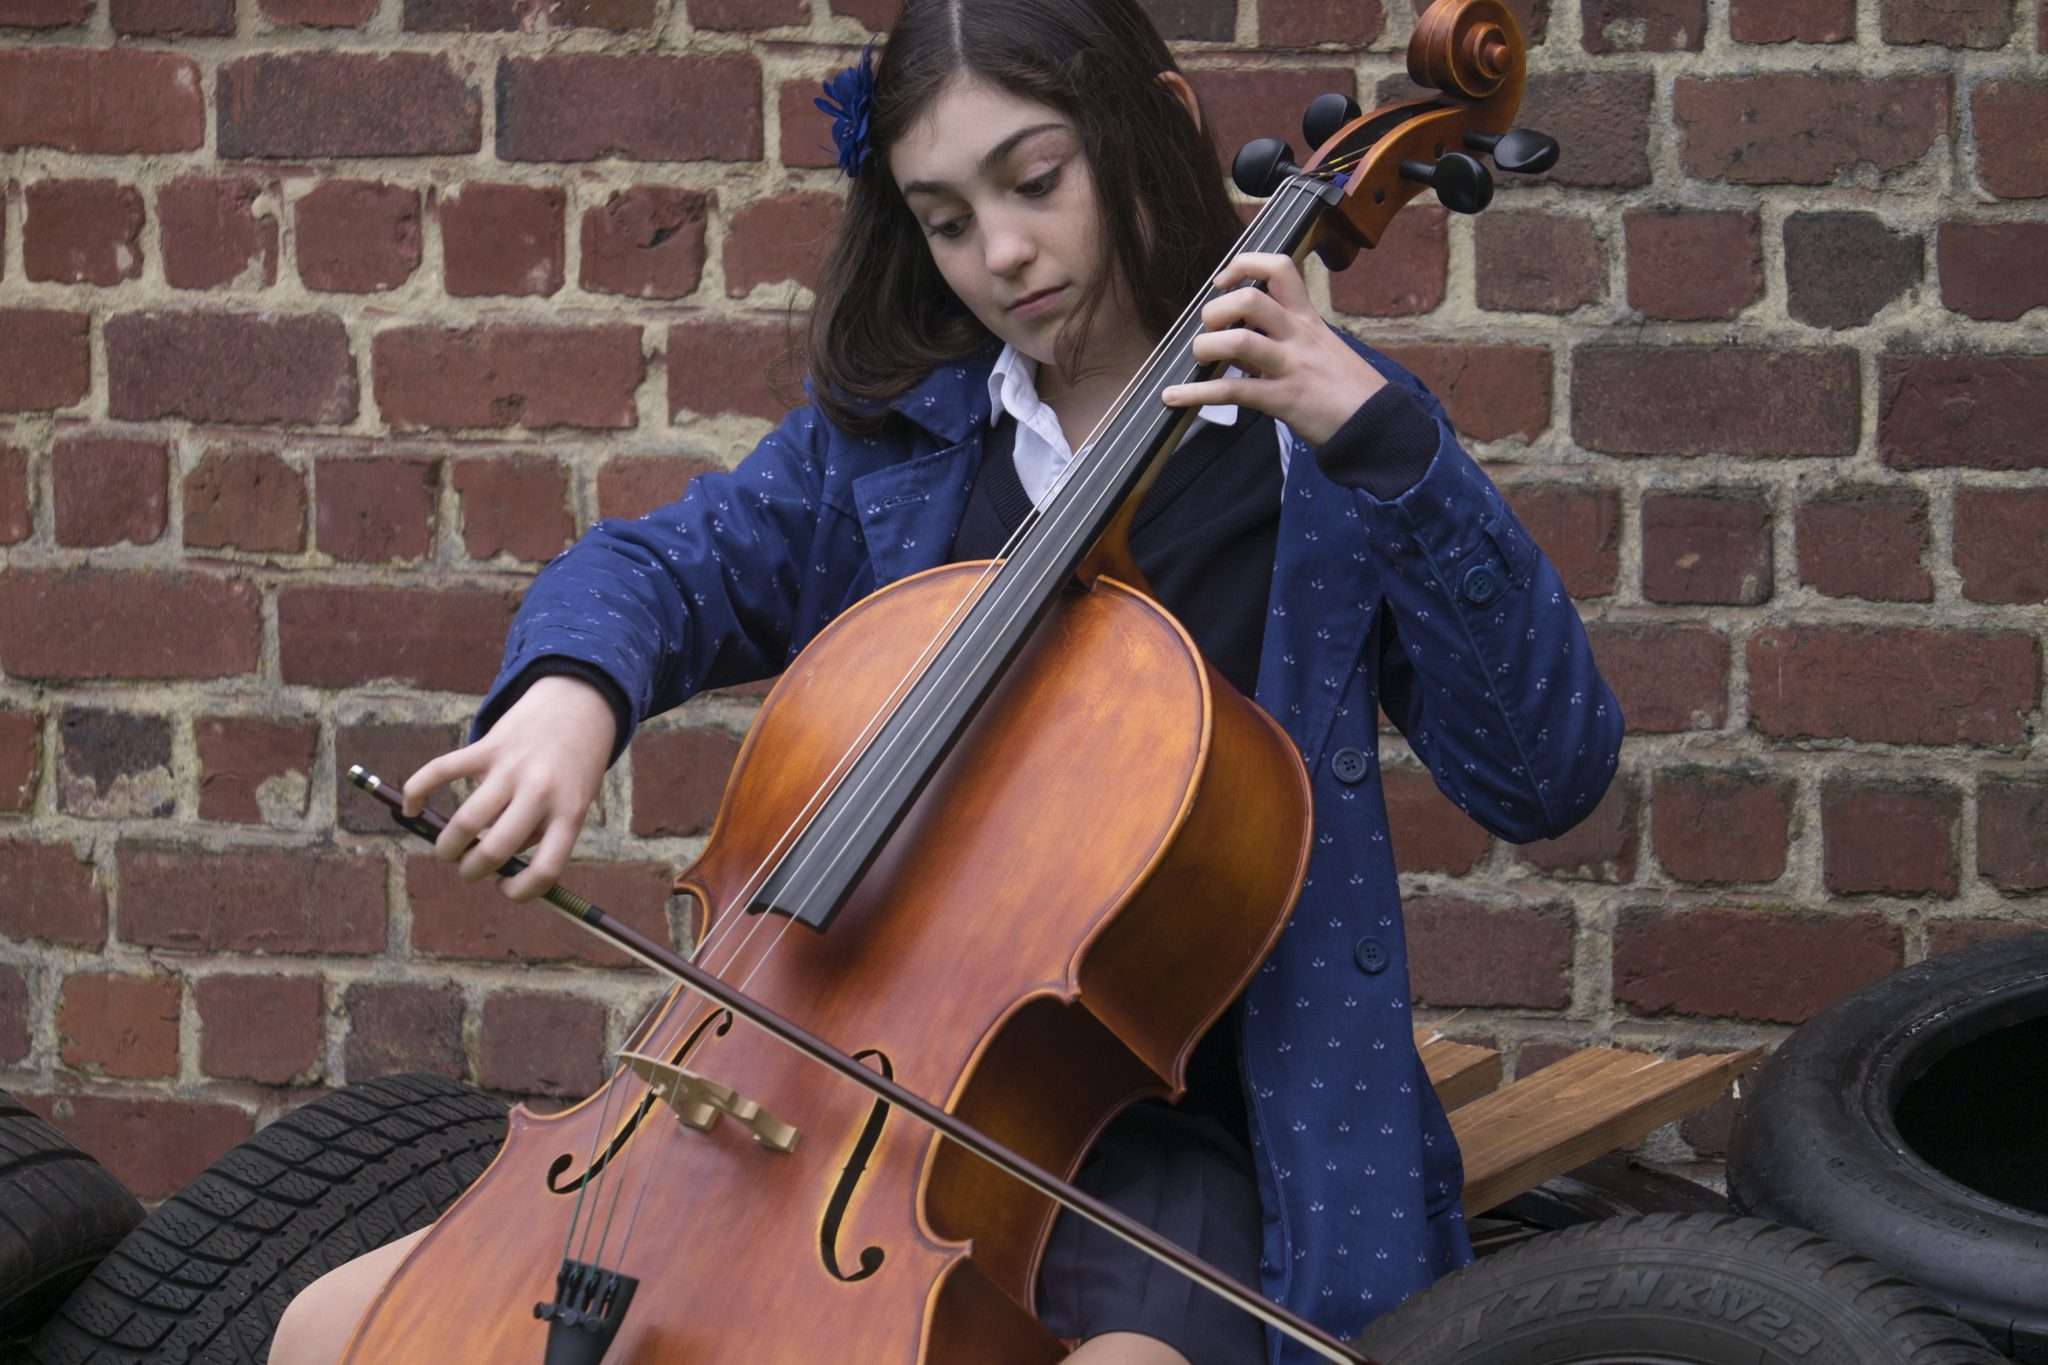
[1189,1179]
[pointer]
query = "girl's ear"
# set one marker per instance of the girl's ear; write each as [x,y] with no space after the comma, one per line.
[1184,92]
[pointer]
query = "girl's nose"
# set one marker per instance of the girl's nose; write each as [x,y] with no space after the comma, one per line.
[1007,250]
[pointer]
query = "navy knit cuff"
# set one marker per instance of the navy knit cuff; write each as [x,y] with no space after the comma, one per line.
[1385,447]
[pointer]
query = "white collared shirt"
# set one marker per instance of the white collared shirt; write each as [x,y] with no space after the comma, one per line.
[1041,451]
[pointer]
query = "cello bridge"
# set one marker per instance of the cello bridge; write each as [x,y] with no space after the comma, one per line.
[699,1102]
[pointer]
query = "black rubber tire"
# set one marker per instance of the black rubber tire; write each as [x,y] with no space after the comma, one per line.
[1612,1186]
[206,1277]
[1703,1289]
[1907,1121]
[61,1212]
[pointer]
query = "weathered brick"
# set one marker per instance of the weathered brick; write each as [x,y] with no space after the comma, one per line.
[748,15]
[743,367]
[248,369]
[319,13]
[391,752]
[1310,23]
[541,1044]
[1532,15]
[1983,411]
[296,105]
[503,239]
[1981,24]
[375,509]
[620,16]
[245,500]
[108,490]
[403,1026]
[462,16]
[445,640]
[806,132]
[1601,118]
[255,770]
[1693,265]
[17,499]
[1841,269]
[1988,270]
[252,900]
[1491,392]
[81,232]
[780,239]
[173,18]
[456,919]
[141,625]
[108,101]
[640,108]
[1711,546]
[45,358]
[52,896]
[266,1029]
[2011,118]
[155,1146]
[1890,837]
[511,374]
[1953,935]
[1579,528]
[1407,272]
[44,13]
[218,232]
[1866,541]
[1464,953]
[14,1015]
[1792,21]
[357,236]
[1429,833]
[634,485]
[2001,544]
[1894,686]
[1778,966]
[1211,21]
[2011,813]
[1644,25]
[878,15]
[1667,678]
[1716,400]
[114,764]
[1798,129]
[678,776]
[1240,103]
[646,242]
[1602,846]
[515,505]
[115,1024]
[1537,262]
[1720,825]
[21,756]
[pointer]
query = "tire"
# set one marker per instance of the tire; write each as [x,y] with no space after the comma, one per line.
[1702,1289]
[1906,1122]
[1611,1186]
[61,1212]
[205,1278]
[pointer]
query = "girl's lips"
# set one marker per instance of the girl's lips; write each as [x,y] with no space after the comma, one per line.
[1036,303]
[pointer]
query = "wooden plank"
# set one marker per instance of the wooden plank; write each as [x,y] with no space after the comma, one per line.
[1576,1109]
[1460,1072]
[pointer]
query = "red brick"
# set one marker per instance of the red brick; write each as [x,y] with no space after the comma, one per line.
[1953,935]
[375,509]
[119,1025]
[646,242]
[806,132]
[1240,103]
[1711,547]
[445,640]
[780,239]
[166,18]
[14,1015]
[1894,686]
[1792,21]
[511,374]
[1601,118]
[1644,25]
[1602,847]
[502,239]
[45,362]
[1532,15]
[403,1026]
[1710,400]
[115,764]
[639,108]
[2011,813]
[1842,269]
[1429,833]
[155,1146]
[1537,262]
[304,105]
[245,500]
[1579,528]
[1463,953]
[52,896]
[109,101]
[743,367]
[515,505]
[357,236]
[44,13]
[878,15]
[748,15]
[2001,544]
[1867,541]
[81,232]
[634,485]
[461,16]
[1308,23]
[1667,678]
[1406,273]
[1988,270]
[2011,118]
[452,918]
[240,368]
[1893,838]
[1777,966]
[1983,411]
[109,490]
[216,233]
[252,900]
[267,1029]
[1711,825]
[255,770]
[390,752]
[679,775]
[620,16]
[1800,129]
[141,625]
[1491,392]
[1981,24]
[536,1044]
[17,501]
[1692,265]
[21,756]
[319,13]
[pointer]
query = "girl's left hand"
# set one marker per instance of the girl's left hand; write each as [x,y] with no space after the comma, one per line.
[1297,370]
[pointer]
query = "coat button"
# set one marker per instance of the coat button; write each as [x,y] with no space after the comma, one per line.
[1372,956]
[1350,765]
[1481,585]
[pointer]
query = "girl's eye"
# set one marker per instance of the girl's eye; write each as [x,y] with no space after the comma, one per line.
[1038,186]
[952,227]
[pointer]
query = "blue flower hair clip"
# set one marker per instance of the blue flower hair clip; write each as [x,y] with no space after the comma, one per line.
[850,100]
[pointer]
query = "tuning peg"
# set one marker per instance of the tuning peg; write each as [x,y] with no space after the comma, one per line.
[1462,184]
[1519,151]
[1326,114]
[1261,166]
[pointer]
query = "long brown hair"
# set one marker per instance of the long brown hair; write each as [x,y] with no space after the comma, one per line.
[885,317]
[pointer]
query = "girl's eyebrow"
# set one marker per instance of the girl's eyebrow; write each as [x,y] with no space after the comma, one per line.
[988,160]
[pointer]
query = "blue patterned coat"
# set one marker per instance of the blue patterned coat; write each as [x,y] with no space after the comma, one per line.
[1435,605]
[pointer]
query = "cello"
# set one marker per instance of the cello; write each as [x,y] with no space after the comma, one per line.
[998,849]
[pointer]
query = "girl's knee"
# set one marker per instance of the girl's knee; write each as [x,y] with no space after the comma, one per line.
[317,1322]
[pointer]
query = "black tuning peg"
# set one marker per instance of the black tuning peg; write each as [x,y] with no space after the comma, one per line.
[1461,183]
[1519,151]
[1326,114]
[1262,166]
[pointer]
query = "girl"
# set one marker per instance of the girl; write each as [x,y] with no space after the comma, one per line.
[1033,199]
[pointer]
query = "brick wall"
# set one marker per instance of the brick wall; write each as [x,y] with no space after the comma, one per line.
[324,322]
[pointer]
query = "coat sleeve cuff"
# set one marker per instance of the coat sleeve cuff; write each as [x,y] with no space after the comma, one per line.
[552,664]
[1385,447]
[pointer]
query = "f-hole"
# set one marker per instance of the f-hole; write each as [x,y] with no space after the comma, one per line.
[856,1163]
[722,1018]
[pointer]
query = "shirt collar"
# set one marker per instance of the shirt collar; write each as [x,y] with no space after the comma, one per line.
[1017,373]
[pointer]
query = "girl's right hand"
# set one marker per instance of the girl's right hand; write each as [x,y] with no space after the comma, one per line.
[534,776]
